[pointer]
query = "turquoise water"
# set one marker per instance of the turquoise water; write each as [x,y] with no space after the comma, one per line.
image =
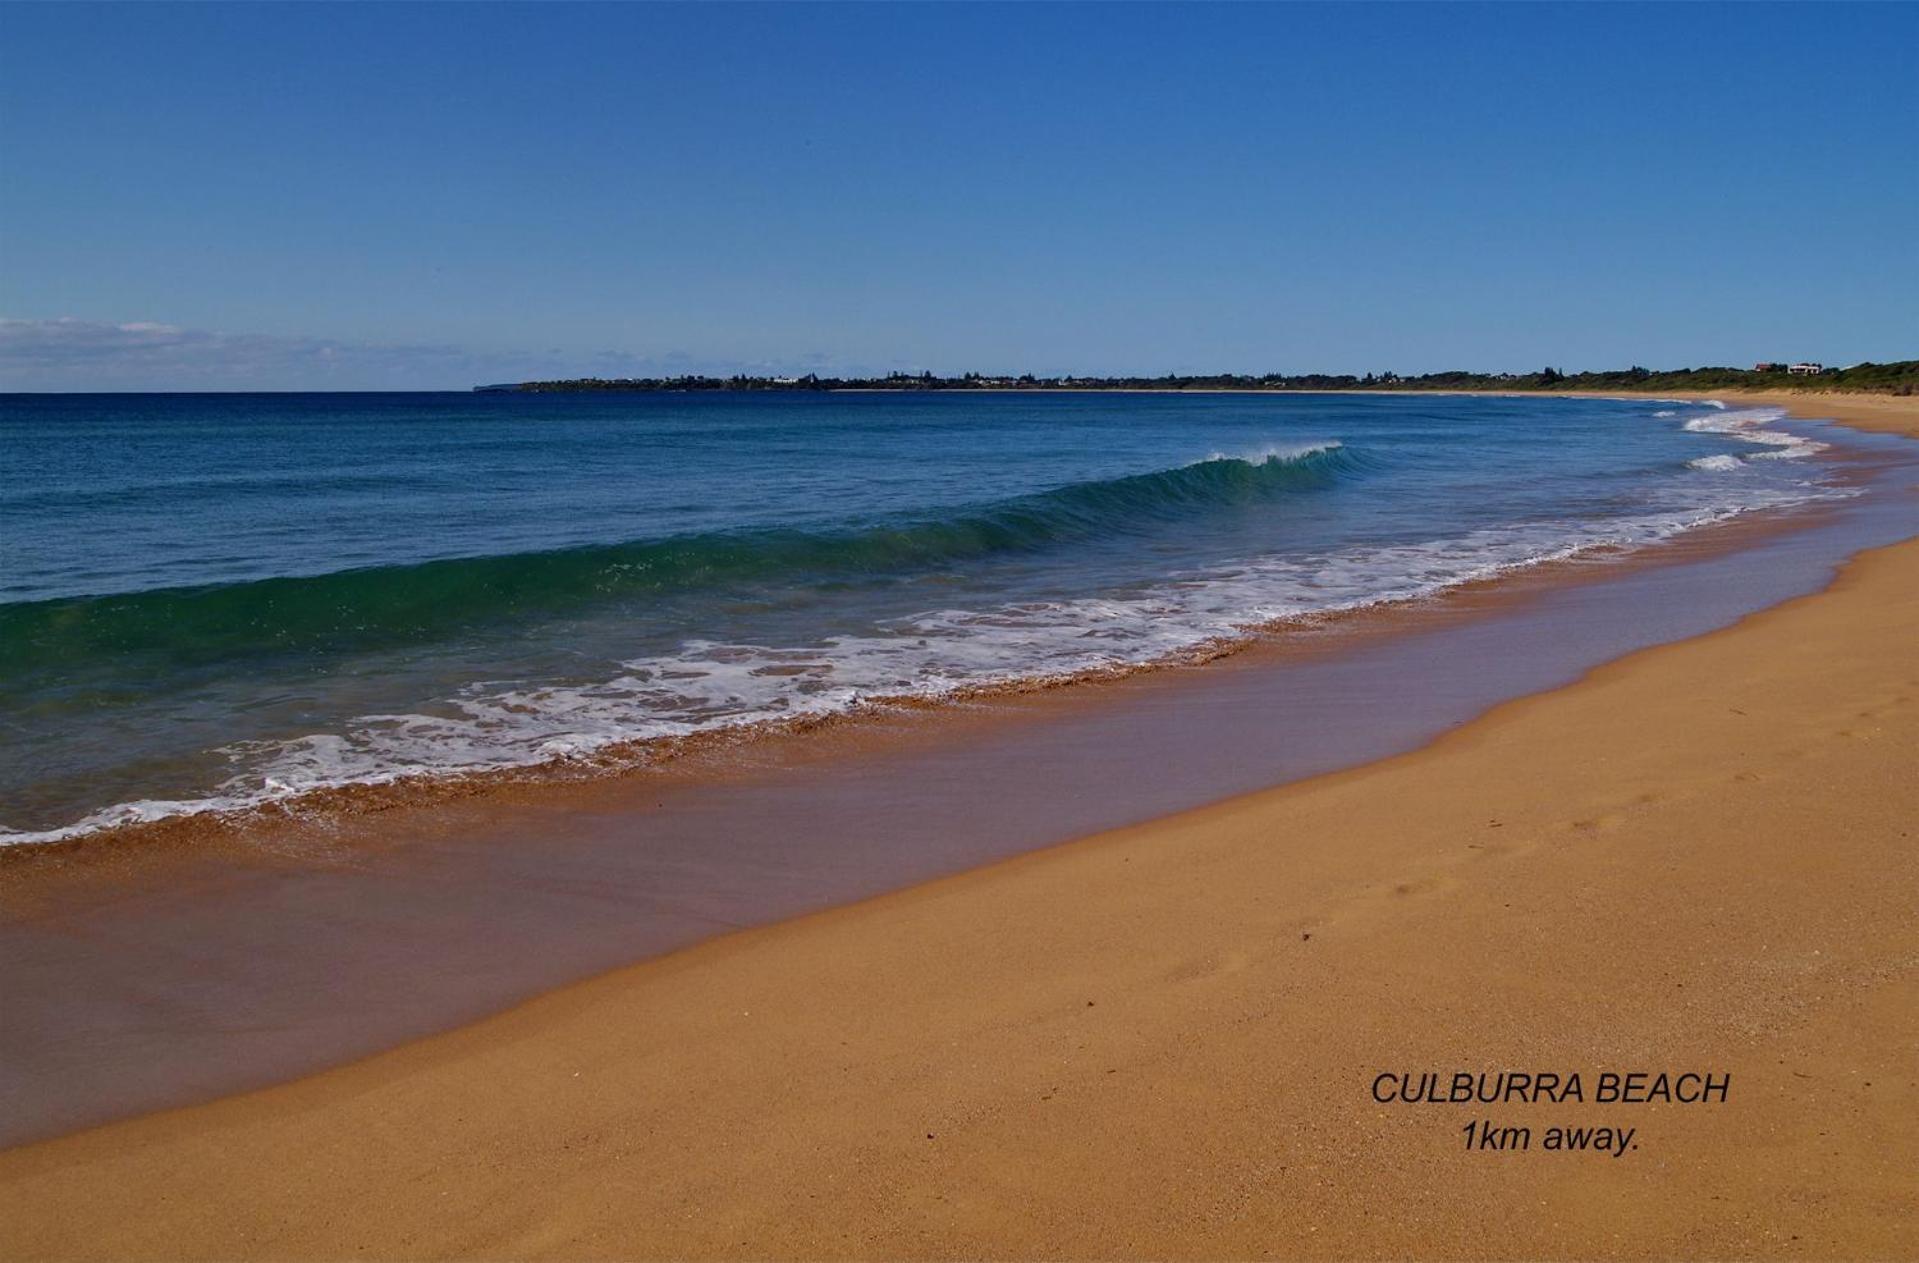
[211,601]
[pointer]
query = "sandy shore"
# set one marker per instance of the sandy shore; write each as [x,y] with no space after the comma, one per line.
[1164,1040]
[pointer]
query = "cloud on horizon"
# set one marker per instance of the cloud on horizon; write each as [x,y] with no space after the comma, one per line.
[67,354]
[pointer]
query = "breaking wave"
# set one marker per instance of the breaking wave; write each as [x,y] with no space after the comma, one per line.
[389,606]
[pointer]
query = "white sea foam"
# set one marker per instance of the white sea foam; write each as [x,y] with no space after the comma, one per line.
[1748,426]
[1281,452]
[1717,464]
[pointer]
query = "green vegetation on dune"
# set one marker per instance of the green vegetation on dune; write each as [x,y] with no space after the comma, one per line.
[1899,378]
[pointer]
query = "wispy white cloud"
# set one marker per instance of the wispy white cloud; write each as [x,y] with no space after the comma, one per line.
[68,354]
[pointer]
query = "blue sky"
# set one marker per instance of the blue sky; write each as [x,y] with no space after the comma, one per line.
[364,196]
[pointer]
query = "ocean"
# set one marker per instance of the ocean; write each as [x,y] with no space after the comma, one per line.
[214,602]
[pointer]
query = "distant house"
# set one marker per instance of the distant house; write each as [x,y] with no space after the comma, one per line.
[1806,370]
[1767,366]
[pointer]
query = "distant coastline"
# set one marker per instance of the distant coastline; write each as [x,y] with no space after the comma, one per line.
[1898,378]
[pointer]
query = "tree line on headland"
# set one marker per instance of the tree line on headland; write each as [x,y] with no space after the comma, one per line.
[1899,378]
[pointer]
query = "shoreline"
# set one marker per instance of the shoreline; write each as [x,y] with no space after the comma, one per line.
[222,823]
[586,876]
[341,804]
[1239,905]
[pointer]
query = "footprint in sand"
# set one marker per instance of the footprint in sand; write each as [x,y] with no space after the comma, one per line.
[1426,886]
[1596,824]
[1211,965]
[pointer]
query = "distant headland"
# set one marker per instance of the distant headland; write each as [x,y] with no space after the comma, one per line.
[1898,378]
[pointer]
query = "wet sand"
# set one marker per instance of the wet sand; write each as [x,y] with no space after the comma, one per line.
[1162,1040]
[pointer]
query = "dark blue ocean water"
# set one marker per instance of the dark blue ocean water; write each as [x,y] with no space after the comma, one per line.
[209,601]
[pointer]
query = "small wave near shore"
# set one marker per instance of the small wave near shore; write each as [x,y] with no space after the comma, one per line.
[1273,496]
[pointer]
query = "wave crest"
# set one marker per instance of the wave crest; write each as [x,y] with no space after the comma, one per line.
[1748,426]
[388,606]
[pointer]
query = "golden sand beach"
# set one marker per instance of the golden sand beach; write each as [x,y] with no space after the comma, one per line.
[1165,1041]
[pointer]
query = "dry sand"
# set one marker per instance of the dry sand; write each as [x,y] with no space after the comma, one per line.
[1161,1041]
